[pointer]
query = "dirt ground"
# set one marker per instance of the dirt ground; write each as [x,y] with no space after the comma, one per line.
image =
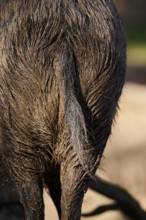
[124,159]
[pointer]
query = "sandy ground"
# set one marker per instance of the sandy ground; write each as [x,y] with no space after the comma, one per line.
[124,159]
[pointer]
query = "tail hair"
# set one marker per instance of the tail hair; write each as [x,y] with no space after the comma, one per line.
[74,114]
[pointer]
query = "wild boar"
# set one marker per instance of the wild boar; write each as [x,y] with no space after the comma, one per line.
[62,69]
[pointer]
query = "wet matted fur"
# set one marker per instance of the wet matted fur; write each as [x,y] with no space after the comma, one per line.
[62,69]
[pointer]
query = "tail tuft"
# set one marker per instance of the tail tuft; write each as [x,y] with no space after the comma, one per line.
[73,110]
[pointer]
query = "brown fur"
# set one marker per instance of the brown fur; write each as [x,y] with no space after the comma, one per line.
[62,69]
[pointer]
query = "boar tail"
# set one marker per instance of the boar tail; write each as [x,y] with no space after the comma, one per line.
[76,123]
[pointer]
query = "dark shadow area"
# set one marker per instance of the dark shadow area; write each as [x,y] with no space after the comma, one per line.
[123,200]
[136,74]
[10,207]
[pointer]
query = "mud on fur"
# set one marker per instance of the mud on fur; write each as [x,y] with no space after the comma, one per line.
[62,69]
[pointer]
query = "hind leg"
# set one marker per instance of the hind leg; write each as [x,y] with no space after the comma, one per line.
[74,184]
[30,194]
[28,185]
